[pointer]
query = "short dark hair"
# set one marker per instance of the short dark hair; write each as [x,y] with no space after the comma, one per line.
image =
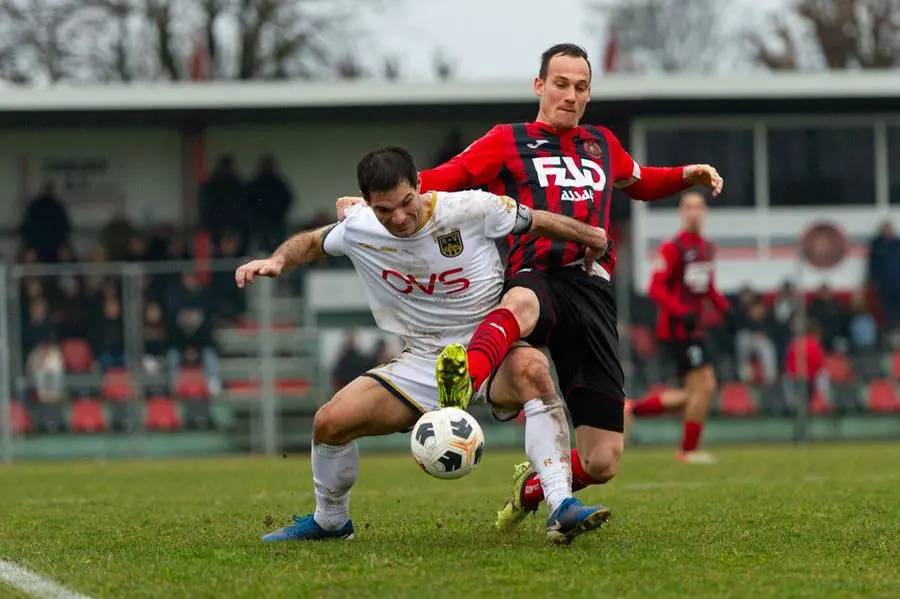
[573,50]
[692,192]
[384,169]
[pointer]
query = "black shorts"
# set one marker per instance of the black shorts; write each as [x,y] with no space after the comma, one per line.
[577,324]
[688,355]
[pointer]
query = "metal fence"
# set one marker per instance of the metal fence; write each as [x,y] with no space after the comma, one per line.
[144,359]
[109,360]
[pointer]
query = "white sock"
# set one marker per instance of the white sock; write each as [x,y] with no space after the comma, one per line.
[335,468]
[548,449]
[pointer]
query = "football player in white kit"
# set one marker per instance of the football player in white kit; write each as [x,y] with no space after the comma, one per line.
[432,272]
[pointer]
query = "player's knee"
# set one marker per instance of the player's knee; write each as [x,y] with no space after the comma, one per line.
[602,464]
[328,427]
[531,373]
[524,305]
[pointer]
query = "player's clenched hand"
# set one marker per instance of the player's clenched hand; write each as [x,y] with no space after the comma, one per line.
[596,249]
[342,204]
[268,267]
[704,174]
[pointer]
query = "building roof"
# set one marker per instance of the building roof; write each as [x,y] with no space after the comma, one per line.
[213,96]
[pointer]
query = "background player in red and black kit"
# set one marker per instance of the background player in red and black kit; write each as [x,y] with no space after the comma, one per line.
[549,299]
[683,281]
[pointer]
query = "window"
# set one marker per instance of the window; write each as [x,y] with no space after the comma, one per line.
[894,164]
[821,167]
[730,151]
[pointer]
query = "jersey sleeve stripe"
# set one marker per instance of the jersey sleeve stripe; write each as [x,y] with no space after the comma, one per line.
[324,235]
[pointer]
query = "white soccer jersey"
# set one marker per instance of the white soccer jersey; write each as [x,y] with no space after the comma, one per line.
[434,287]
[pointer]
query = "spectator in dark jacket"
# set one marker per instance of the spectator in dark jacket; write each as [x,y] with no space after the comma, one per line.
[189,309]
[884,273]
[270,199]
[46,226]
[223,204]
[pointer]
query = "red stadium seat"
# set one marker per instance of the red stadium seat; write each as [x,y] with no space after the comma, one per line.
[162,414]
[191,384]
[735,399]
[883,397]
[88,416]
[252,388]
[242,389]
[116,385]
[839,368]
[245,325]
[292,387]
[77,355]
[19,421]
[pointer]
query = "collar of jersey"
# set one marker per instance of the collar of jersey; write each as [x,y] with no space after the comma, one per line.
[431,206]
[549,129]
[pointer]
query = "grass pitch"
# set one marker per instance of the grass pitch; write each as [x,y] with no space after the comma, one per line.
[764,522]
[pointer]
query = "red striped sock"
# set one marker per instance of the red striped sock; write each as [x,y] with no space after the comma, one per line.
[580,479]
[490,343]
[691,437]
[649,406]
[533,493]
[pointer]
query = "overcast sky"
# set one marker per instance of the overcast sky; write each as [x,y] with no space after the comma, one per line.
[504,38]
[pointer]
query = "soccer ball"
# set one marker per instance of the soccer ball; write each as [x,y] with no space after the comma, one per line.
[447,443]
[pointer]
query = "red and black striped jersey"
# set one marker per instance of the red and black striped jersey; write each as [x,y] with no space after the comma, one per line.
[683,278]
[565,172]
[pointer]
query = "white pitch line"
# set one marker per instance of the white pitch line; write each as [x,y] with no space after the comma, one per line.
[33,585]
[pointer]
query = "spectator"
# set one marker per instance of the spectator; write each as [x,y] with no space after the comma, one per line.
[863,328]
[32,289]
[71,315]
[37,329]
[46,226]
[116,237]
[106,336]
[833,316]
[270,200]
[784,308]
[93,282]
[805,361]
[884,273]
[46,369]
[191,333]
[223,205]
[156,339]
[351,363]
[230,302]
[137,248]
[753,341]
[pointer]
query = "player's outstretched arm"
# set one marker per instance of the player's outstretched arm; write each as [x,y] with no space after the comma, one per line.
[564,228]
[300,249]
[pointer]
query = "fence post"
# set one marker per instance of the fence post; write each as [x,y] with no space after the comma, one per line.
[5,387]
[269,402]
[133,331]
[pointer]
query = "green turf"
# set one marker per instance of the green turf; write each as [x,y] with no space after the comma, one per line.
[764,522]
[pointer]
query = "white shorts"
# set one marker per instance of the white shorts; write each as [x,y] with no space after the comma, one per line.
[411,379]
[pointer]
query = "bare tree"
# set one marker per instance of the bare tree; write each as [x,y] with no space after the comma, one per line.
[128,40]
[831,34]
[36,35]
[663,35]
[444,66]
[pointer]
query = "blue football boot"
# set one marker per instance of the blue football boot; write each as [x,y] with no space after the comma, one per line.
[305,528]
[572,518]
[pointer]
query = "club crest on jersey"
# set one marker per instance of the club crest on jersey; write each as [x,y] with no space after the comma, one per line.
[592,148]
[451,244]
